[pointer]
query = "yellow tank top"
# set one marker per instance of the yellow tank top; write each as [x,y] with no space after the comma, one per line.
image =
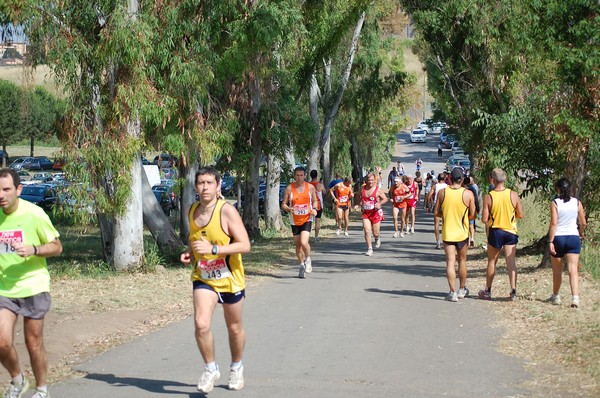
[502,214]
[455,227]
[225,274]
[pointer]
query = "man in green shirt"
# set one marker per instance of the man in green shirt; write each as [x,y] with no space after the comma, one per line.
[27,237]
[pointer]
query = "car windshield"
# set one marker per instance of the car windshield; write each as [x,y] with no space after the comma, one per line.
[34,191]
[161,188]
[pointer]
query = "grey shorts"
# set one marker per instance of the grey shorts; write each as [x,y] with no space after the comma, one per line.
[34,307]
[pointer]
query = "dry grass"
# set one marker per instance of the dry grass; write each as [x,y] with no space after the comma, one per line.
[41,76]
[560,345]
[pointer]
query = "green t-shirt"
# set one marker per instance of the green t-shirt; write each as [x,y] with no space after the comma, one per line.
[24,276]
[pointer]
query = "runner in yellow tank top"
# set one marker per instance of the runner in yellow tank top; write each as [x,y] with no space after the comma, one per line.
[456,206]
[501,209]
[217,240]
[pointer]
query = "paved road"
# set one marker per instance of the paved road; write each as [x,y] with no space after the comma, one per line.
[356,327]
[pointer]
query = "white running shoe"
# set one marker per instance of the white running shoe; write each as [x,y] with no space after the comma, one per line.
[396,234]
[207,380]
[555,299]
[377,243]
[463,292]
[15,391]
[412,230]
[575,302]
[438,245]
[302,271]
[452,296]
[346,233]
[402,234]
[338,232]
[236,378]
[308,265]
[369,252]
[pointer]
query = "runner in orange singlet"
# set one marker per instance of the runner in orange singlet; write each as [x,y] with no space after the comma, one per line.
[398,194]
[299,200]
[342,195]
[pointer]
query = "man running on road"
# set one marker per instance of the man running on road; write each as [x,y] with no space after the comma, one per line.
[299,200]
[342,195]
[398,194]
[439,185]
[216,242]
[411,203]
[372,199]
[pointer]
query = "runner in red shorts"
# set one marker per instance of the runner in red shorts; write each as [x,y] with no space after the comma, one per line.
[372,199]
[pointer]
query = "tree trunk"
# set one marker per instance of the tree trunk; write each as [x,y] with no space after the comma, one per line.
[357,167]
[250,215]
[333,105]
[169,243]
[31,145]
[187,198]
[272,207]
[313,106]
[106,224]
[128,237]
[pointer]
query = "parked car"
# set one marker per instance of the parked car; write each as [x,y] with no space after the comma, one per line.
[164,160]
[43,195]
[418,135]
[40,163]
[23,175]
[20,163]
[43,177]
[164,196]
[449,141]
[443,137]
[455,146]
[227,185]
[426,125]
[173,190]
[438,127]
[458,161]
[59,163]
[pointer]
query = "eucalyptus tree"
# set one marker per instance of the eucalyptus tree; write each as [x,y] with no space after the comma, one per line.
[376,96]
[10,122]
[99,53]
[334,31]
[39,114]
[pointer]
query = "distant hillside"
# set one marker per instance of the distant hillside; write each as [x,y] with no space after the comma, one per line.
[41,77]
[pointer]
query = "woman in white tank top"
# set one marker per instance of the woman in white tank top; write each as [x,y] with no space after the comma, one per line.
[567,225]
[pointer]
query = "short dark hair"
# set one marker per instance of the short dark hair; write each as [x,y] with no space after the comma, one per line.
[6,172]
[210,171]
[300,168]
[313,174]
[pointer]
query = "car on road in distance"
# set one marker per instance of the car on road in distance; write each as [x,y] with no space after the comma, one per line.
[418,135]
[43,195]
[443,137]
[425,125]
[458,161]
[438,127]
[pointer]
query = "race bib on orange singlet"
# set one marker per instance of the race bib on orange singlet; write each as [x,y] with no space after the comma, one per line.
[397,199]
[343,199]
[214,269]
[7,238]
[300,210]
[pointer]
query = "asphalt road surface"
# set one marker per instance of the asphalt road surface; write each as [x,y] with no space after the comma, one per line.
[357,326]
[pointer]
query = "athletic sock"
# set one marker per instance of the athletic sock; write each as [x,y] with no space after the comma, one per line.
[212,366]
[18,380]
[43,389]
[235,365]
